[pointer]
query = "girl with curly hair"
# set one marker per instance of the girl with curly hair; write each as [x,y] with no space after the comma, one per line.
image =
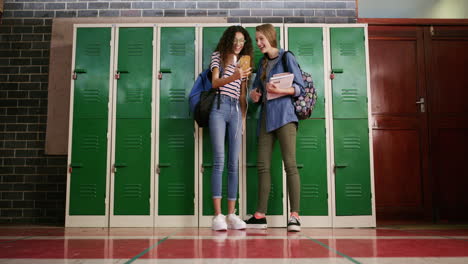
[229,119]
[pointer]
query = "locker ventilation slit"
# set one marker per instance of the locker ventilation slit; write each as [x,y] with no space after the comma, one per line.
[176,141]
[351,142]
[176,95]
[308,142]
[348,49]
[135,49]
[93,49]
[310,191]
[135,95]
[176,190]
[177,48]
[353,190]
[91,95]
[305,50]
[132,191]
[91,142]
[88,190]
[133,142]
[349,95]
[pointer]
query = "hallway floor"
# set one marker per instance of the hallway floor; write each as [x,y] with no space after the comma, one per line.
[385,244]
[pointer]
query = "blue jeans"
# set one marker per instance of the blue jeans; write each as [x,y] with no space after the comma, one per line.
[225,120]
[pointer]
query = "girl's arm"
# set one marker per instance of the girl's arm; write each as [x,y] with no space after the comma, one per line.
[217,82]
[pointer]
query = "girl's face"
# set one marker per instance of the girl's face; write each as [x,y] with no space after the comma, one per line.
[238,44]
[262,42]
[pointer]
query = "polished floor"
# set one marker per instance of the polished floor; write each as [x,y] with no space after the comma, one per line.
[385,244]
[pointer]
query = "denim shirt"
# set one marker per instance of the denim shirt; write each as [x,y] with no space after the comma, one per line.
[280,111]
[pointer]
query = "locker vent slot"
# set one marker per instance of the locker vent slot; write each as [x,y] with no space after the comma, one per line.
[177,48]
[308,142]
[91,95]
[348,49]
[132,190]
[133,142]
[310,191]
[349,95]
[176,141]
[176,95]
[306,51]
[135,95]
[90,142]
[88,190]
[176,190]
[93,49]
[135,49]
[351,142]
[353,190]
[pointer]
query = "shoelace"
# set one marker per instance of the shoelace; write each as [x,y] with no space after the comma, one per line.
[293,220]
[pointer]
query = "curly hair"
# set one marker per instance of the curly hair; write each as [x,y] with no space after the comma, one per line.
[268,30]
[226,44]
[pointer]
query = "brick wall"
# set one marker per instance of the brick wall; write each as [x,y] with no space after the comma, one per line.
[32,185]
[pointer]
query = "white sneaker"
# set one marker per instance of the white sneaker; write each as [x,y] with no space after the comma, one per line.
[234,222]
[219,223]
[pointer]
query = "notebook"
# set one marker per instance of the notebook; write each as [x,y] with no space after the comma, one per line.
[283,80]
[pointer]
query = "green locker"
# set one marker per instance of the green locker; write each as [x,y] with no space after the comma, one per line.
[275,202]
[348,61]
[307,46]
[176,133]
[132,166]
[90,122]
[350,122]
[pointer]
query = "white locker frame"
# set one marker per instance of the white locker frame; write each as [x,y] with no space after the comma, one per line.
[175,220]
[318,221]
[272,220]
[132,220]
[89,220]
[348,221]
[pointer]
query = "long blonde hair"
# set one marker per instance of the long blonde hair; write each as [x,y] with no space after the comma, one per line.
[268,30]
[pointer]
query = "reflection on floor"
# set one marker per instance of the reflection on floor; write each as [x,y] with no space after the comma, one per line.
[385,244]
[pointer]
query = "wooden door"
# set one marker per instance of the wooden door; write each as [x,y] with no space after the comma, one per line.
[447,57]
[397,75]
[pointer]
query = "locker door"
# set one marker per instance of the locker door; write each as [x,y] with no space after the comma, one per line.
[307,45]
[176,188]
[132,165]
[276,204]
[350,122]
[88,155]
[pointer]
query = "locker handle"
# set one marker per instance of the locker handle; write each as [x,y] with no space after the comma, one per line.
[76,165]
[300,166]
[337,70]
[160,165]
[165,71]
[119,71]
[120,165]
[341,165]
[251,165]
[207,165]
[79,71]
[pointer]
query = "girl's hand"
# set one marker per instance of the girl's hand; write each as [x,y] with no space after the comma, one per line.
[241,73]
[255,95]
[273,88]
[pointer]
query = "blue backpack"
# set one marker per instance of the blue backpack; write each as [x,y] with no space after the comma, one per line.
[201,98]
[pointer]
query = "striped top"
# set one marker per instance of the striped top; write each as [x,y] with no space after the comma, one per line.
[231,89]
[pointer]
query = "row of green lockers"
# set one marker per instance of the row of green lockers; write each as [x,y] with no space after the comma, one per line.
[128,70]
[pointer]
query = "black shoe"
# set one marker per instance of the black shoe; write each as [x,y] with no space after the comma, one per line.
[294,225]
[256,223]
